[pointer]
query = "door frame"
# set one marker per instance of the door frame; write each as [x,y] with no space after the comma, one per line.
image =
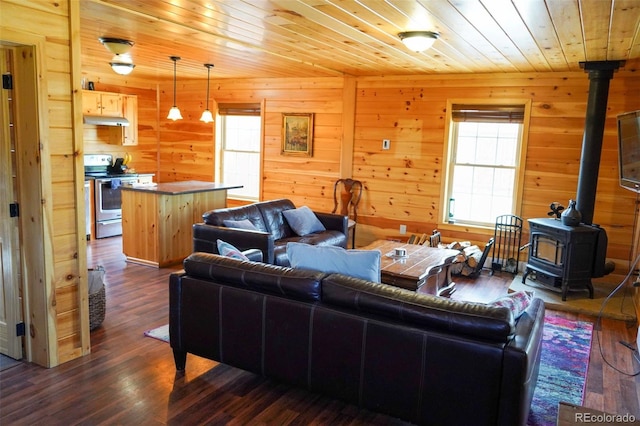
[40,343]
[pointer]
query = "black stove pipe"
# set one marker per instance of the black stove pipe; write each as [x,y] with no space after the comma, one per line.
[600,73]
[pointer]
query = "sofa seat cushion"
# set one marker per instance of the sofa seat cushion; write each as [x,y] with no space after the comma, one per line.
[300,284]
[468,318]
[364,264]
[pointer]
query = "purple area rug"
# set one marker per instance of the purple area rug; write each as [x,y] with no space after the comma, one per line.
[566,346]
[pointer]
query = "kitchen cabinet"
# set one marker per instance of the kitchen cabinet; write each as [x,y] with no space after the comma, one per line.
[130,111]
[102,103]
[157,220]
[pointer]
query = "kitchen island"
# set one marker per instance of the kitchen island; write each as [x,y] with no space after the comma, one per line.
[157,219]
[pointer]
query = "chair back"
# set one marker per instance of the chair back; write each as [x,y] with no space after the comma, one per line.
[346,196]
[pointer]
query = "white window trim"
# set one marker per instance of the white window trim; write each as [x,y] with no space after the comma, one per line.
[218,142]
[447,152]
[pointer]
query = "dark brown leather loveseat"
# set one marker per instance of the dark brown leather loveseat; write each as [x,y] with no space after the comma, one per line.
[421,358]
[272,234]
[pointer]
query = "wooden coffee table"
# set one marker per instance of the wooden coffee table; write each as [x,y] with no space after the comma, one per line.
[423,265]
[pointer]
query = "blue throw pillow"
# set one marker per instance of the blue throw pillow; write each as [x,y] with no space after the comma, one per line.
[240,224]
[303,221]
[364,264]
[228,250]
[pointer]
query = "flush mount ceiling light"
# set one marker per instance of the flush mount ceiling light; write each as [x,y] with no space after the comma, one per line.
[174,112]
[117,46]
[207,117]
[121,63]
[418,41]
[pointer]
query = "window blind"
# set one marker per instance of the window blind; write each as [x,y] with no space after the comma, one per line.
[488,113]
[239,109]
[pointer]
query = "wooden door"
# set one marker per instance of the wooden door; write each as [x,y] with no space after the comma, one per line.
[10,312]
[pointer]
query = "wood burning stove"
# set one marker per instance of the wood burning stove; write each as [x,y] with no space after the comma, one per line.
[565,257]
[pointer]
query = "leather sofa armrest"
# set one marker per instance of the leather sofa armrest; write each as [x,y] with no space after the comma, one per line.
[522,365]
[255,255]
[334,222]
[205,239]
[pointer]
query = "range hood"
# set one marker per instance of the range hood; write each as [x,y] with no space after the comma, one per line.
[100,120]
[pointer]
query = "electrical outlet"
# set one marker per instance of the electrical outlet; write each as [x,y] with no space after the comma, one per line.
[386,143]
[403,229]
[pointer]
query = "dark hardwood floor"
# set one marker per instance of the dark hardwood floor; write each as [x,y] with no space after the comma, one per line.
[131,379]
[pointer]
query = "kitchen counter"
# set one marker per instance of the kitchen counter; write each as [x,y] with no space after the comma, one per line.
[157,219]
[186,187]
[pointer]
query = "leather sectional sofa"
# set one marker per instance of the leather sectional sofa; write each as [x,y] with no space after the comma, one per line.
[272,231]
[421,358]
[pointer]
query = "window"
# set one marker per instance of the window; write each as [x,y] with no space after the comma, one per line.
[239,149]
[484,163]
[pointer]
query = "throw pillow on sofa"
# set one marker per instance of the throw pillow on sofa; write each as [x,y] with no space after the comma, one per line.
[364,264]
[303,221]
[226,249]
[240,224]
[517,302]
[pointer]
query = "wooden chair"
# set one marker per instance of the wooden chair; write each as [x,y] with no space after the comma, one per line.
[346,196]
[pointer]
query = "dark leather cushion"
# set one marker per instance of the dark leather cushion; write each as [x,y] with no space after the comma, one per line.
[474,319]
[297,284]
[273,218]
[250,212]
[324,238]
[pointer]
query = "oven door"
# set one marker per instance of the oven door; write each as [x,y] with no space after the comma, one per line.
[108,200]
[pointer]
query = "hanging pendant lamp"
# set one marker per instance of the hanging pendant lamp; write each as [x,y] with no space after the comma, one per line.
[174,112]
[207,117]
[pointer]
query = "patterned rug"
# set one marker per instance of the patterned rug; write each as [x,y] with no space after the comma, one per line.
[566,347]
[160,333]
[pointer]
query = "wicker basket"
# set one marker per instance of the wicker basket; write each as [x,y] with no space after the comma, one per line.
[97,296]
[97,307]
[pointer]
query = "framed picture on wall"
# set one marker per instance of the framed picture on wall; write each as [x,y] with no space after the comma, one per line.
[297,134]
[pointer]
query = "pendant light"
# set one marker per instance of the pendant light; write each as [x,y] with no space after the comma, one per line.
[207,117]
[174,112]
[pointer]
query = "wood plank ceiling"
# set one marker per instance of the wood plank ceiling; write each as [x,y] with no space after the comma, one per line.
[328,38]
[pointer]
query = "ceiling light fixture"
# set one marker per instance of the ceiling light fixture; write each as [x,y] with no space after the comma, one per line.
[418,41]
[121,63]
[174,112]
[117,46]
[207,117]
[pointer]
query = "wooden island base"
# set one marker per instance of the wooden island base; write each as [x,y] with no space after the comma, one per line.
[157,220]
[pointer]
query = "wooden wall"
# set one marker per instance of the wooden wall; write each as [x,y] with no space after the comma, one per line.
[404,184]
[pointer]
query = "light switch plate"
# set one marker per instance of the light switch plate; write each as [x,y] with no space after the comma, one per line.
[386,143]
